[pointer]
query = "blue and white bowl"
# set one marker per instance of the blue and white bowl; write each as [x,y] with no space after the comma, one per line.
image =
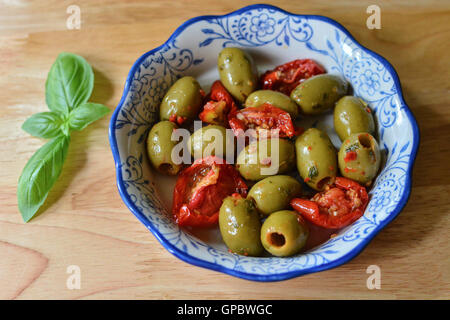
[272,36]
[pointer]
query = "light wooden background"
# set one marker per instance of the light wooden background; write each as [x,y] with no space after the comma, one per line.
[84,221]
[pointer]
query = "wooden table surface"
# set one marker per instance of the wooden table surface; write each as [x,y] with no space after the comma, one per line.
[85,223]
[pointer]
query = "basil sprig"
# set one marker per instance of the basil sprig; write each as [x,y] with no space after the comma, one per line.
[68,87]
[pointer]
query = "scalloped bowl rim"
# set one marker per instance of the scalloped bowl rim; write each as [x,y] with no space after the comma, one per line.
[286,275]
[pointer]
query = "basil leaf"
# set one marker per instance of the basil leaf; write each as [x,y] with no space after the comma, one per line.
[85,114]
[45,125]
[68,87]
[69,83]
[39,175]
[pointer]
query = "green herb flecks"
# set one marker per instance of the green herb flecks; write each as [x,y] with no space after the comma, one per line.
[313,172]
[352,147]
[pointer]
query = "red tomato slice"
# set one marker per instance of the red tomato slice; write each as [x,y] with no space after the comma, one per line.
[200,190]
[264,117]
[219,93]
[286,77]
[221,104]
[336,207]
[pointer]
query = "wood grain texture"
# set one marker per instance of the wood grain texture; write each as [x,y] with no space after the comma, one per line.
[84,221]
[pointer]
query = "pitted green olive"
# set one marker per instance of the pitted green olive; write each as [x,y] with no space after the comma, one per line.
[182,102]
[284,233]
[275,98]
[237,73]
[263,158]
[316,158]
[240,226]
[211,140]
[352,115]
[359,158]
[319,93]
[274,193]
[159,148]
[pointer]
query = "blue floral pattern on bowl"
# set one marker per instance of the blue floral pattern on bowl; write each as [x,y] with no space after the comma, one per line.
[265,31]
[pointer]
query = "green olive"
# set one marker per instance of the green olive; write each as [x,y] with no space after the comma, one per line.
[359,158]
[284,233]
[182,102]
[263,158]
[210,140]
[237,73]
[159,148]
[316,158]
[352,115]
[275,98]
[274,193]
[240,226]
[319,93]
